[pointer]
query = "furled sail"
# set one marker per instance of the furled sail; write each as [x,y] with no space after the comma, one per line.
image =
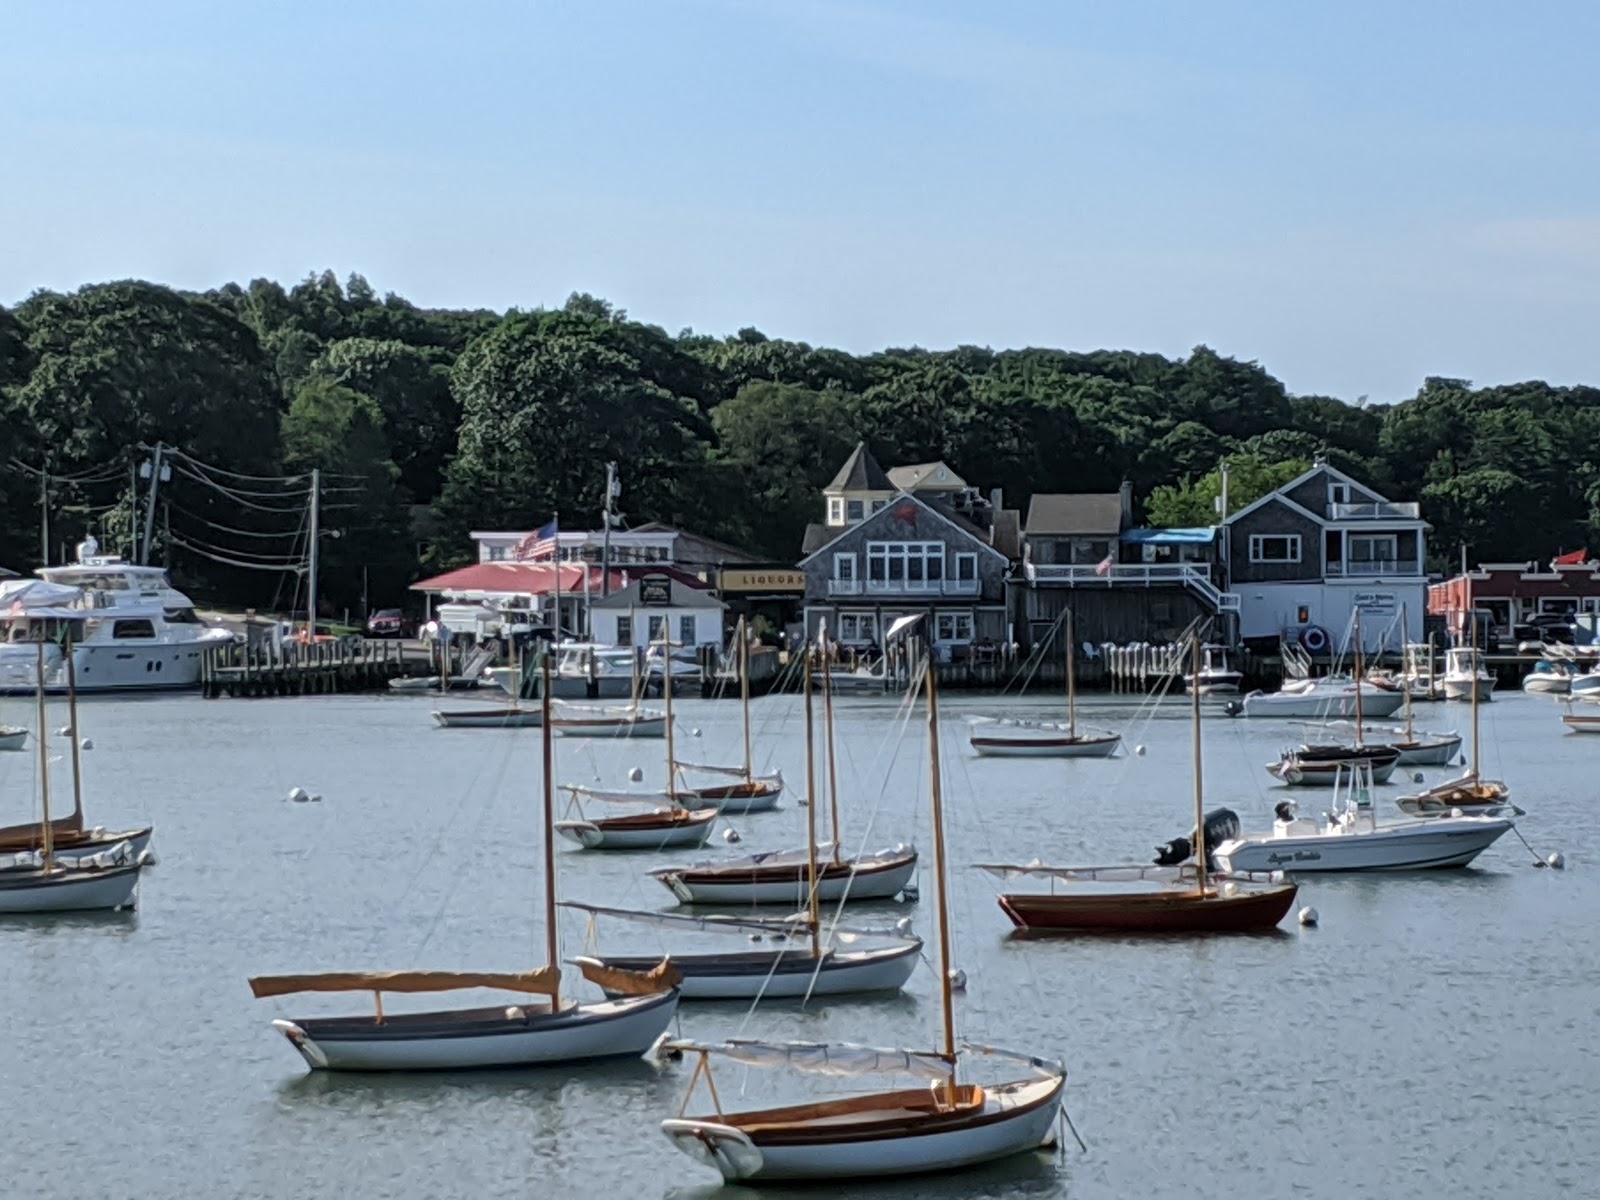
[543,982]
[821,1058]
[663,977]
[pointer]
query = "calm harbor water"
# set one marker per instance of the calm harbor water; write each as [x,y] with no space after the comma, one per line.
[1435,1035]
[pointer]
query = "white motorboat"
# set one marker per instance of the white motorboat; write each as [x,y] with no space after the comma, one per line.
[1548,679]
[130,630]
[1326,698]
[13,737]
[1581,722]
[1585,684]
[554,1031]
[779,877]
[1215,677]
[942,1125]
[1465,676]
[1353,839]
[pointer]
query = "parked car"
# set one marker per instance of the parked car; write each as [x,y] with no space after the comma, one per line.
[387,623]
[1547,627]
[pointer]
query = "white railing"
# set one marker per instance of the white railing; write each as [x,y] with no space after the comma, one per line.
[1378,511]
[1135,575]
[904,587]
[1360,568]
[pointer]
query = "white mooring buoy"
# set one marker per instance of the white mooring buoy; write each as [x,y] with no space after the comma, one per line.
[1308,916]
[731,836]
[1555,861]
[635,775]
[299,795]
[86,744]
[958,979]
[1139,750]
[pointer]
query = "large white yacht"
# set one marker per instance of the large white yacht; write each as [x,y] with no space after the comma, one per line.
[130,629]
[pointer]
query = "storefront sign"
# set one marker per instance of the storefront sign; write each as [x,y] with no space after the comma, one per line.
[1375,604]
[761,579]
[655,589]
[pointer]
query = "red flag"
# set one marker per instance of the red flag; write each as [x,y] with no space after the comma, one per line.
[1104,566]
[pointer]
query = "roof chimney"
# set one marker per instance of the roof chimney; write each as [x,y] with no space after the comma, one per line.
[996,498]
[1125,495]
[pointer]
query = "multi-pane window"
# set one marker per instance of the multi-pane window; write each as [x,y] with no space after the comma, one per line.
[1274,547]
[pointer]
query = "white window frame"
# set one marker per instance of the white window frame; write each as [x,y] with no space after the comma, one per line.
[625,625]
[857,628]
[1291,548]
[835,510]
[1393,557]
[954,627]
[1339,493]
[688,635]
[844,566]
[969,560]
[929,557]
[657,626]
[850,515]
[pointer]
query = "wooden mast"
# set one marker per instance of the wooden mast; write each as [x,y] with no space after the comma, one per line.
[743,635]
[666,694]
[77,748]
[46,834]
[813,913]
[1410,714]
[1473,667]
[1359,715]
[1072,684]
[833,770]
[552,947]
[939,882]
[1199,782]
[635,691]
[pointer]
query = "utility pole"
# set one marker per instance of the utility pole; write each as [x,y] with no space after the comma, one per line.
[613,490]
[156,474]
[44,517]
[311,571]
[133,512]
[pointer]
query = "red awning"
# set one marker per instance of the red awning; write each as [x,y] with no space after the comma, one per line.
[539,578]
[1575,559]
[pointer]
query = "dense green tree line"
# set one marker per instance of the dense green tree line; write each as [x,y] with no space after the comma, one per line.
[494,420]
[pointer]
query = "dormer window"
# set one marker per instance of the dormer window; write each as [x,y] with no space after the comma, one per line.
[835,511]
[1338,493]
[855,509]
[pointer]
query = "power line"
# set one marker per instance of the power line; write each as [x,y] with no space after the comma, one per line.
[233,495]
[232,562]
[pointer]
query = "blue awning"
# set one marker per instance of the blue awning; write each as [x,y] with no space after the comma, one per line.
[1200,535]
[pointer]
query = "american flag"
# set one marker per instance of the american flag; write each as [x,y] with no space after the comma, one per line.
[1103,567]
[540,544]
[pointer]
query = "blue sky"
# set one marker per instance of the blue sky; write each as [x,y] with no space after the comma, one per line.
[1356,195]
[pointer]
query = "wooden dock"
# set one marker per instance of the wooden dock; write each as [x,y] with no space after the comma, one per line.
[347,665]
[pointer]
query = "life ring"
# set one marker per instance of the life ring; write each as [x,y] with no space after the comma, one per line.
[1314,639]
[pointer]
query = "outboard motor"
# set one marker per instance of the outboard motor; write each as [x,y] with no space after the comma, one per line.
[1221,824]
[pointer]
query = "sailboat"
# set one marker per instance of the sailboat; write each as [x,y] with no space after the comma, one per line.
[38,881]
[69,837]
[943,1126]
[781,877]
[1429,749]
[814,968]
[668,823]
[549,1030]
[1319,765]
[1149,899]
[1471,793]
[753,793]
[1046,739]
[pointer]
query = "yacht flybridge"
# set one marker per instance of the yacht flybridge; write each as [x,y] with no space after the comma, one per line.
[129,629]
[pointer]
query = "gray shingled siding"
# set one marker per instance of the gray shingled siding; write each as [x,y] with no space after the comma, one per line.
[1313,494]
[909,522]
[1274,518]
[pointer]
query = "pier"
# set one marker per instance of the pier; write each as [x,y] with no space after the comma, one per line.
[346,665]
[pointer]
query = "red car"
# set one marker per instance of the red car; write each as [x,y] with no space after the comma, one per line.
[387,623]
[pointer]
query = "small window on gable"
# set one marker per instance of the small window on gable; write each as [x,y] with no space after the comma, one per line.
[835,511]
